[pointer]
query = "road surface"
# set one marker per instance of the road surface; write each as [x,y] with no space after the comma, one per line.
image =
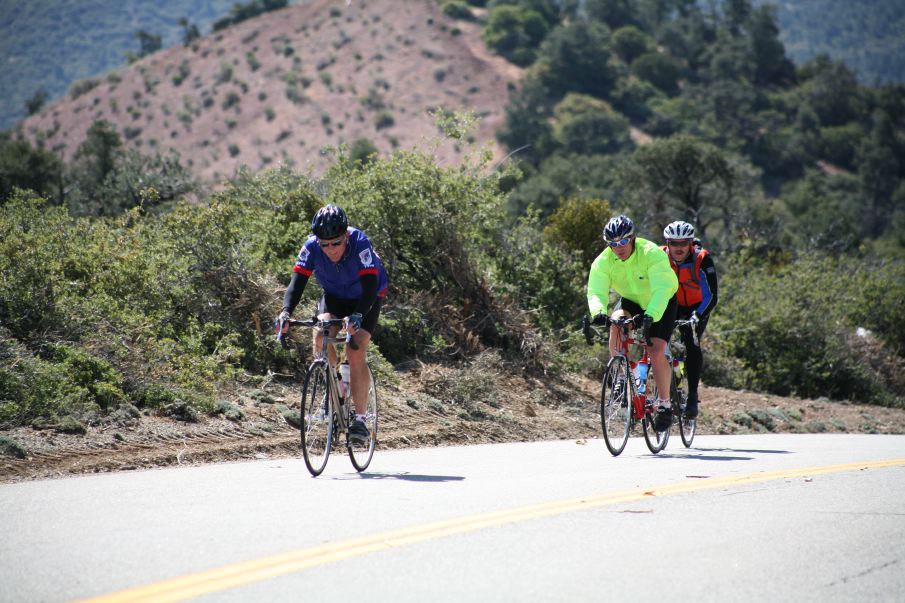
[741,518]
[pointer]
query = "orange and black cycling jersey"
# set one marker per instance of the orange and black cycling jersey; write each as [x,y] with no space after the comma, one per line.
[697,281]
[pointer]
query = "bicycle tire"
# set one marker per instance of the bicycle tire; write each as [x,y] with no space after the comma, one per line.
[655,440]
[316,418]
[615,405]
[361,454]
[687,427]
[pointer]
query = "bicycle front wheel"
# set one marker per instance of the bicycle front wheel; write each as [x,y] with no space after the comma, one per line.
[655,440]
[615,405]
[317,418]
[361,454]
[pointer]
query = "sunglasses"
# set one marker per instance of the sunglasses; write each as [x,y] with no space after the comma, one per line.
[621,243]
[336,243]
[678,243]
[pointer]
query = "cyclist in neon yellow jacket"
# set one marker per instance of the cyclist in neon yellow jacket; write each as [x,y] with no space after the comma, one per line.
[640,272]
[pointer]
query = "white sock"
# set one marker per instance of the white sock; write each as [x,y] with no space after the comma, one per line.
[359,417]
[663,403]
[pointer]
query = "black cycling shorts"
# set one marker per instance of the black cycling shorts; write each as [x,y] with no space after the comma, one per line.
[340,308]
[663,327]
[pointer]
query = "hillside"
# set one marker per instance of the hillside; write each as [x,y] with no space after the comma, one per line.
[866,35]
[49,45]
[276,89]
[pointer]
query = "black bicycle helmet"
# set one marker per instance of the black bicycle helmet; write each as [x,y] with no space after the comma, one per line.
[678,230]
[618,228]
[329,222]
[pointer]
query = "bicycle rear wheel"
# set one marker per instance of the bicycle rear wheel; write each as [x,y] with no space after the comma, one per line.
[361,454]
[615,405]
[317,418]
[687,427]
[655,440]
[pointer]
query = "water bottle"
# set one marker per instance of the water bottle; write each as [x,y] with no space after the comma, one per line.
[641,376]
[344,387]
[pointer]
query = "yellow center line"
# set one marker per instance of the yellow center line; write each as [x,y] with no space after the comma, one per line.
[238,574]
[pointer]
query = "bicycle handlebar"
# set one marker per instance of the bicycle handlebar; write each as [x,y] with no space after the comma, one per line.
[317,323]
[588,329]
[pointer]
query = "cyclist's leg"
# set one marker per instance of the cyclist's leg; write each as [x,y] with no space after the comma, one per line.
[325,312]
[694,360]
[660,366]
[359,375]
[660,332]
[624,308]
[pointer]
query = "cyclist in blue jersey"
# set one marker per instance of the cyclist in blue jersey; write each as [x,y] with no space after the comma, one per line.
[354,282]
[697,297]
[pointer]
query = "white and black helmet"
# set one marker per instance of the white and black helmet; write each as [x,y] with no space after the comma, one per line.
[678,230]
[618,228]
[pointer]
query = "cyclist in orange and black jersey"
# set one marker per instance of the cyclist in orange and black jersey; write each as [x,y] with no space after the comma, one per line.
[697,297]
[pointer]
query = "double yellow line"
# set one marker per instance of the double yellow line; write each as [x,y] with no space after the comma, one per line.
[238,574]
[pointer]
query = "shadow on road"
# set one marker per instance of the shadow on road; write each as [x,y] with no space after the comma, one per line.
[408,477]
[666,454]
[690,454]
[743,450]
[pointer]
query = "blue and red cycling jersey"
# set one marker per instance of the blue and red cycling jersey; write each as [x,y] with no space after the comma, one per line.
[342,279]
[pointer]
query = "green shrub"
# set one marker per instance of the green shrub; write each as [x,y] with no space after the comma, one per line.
[457,9]
[30,390]
[473,384]
[629,43]
[229,411]
[82,87]
[880,288]
[658,69]
[10,447]
[363,150]
[70,425]
[94,374]
[383,120]
[577,225]
[411,208]
[154,395]
[292,415]
[543,277]
[790,326]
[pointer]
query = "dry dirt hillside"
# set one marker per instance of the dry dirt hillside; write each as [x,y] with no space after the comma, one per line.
[277,88]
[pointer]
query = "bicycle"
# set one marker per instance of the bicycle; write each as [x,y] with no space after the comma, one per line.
[676,356]
[626,399]
[325,411]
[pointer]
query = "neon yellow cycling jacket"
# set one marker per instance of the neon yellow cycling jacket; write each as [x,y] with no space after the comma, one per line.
[645,277]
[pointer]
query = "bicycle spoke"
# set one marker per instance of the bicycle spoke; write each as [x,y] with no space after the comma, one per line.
[317,419]
[361,454]
[615,410]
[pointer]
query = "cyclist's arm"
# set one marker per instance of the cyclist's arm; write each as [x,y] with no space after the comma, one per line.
[301,272]
[598,288]
[710,281]
[368,293]
[294,291]
[706,295]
